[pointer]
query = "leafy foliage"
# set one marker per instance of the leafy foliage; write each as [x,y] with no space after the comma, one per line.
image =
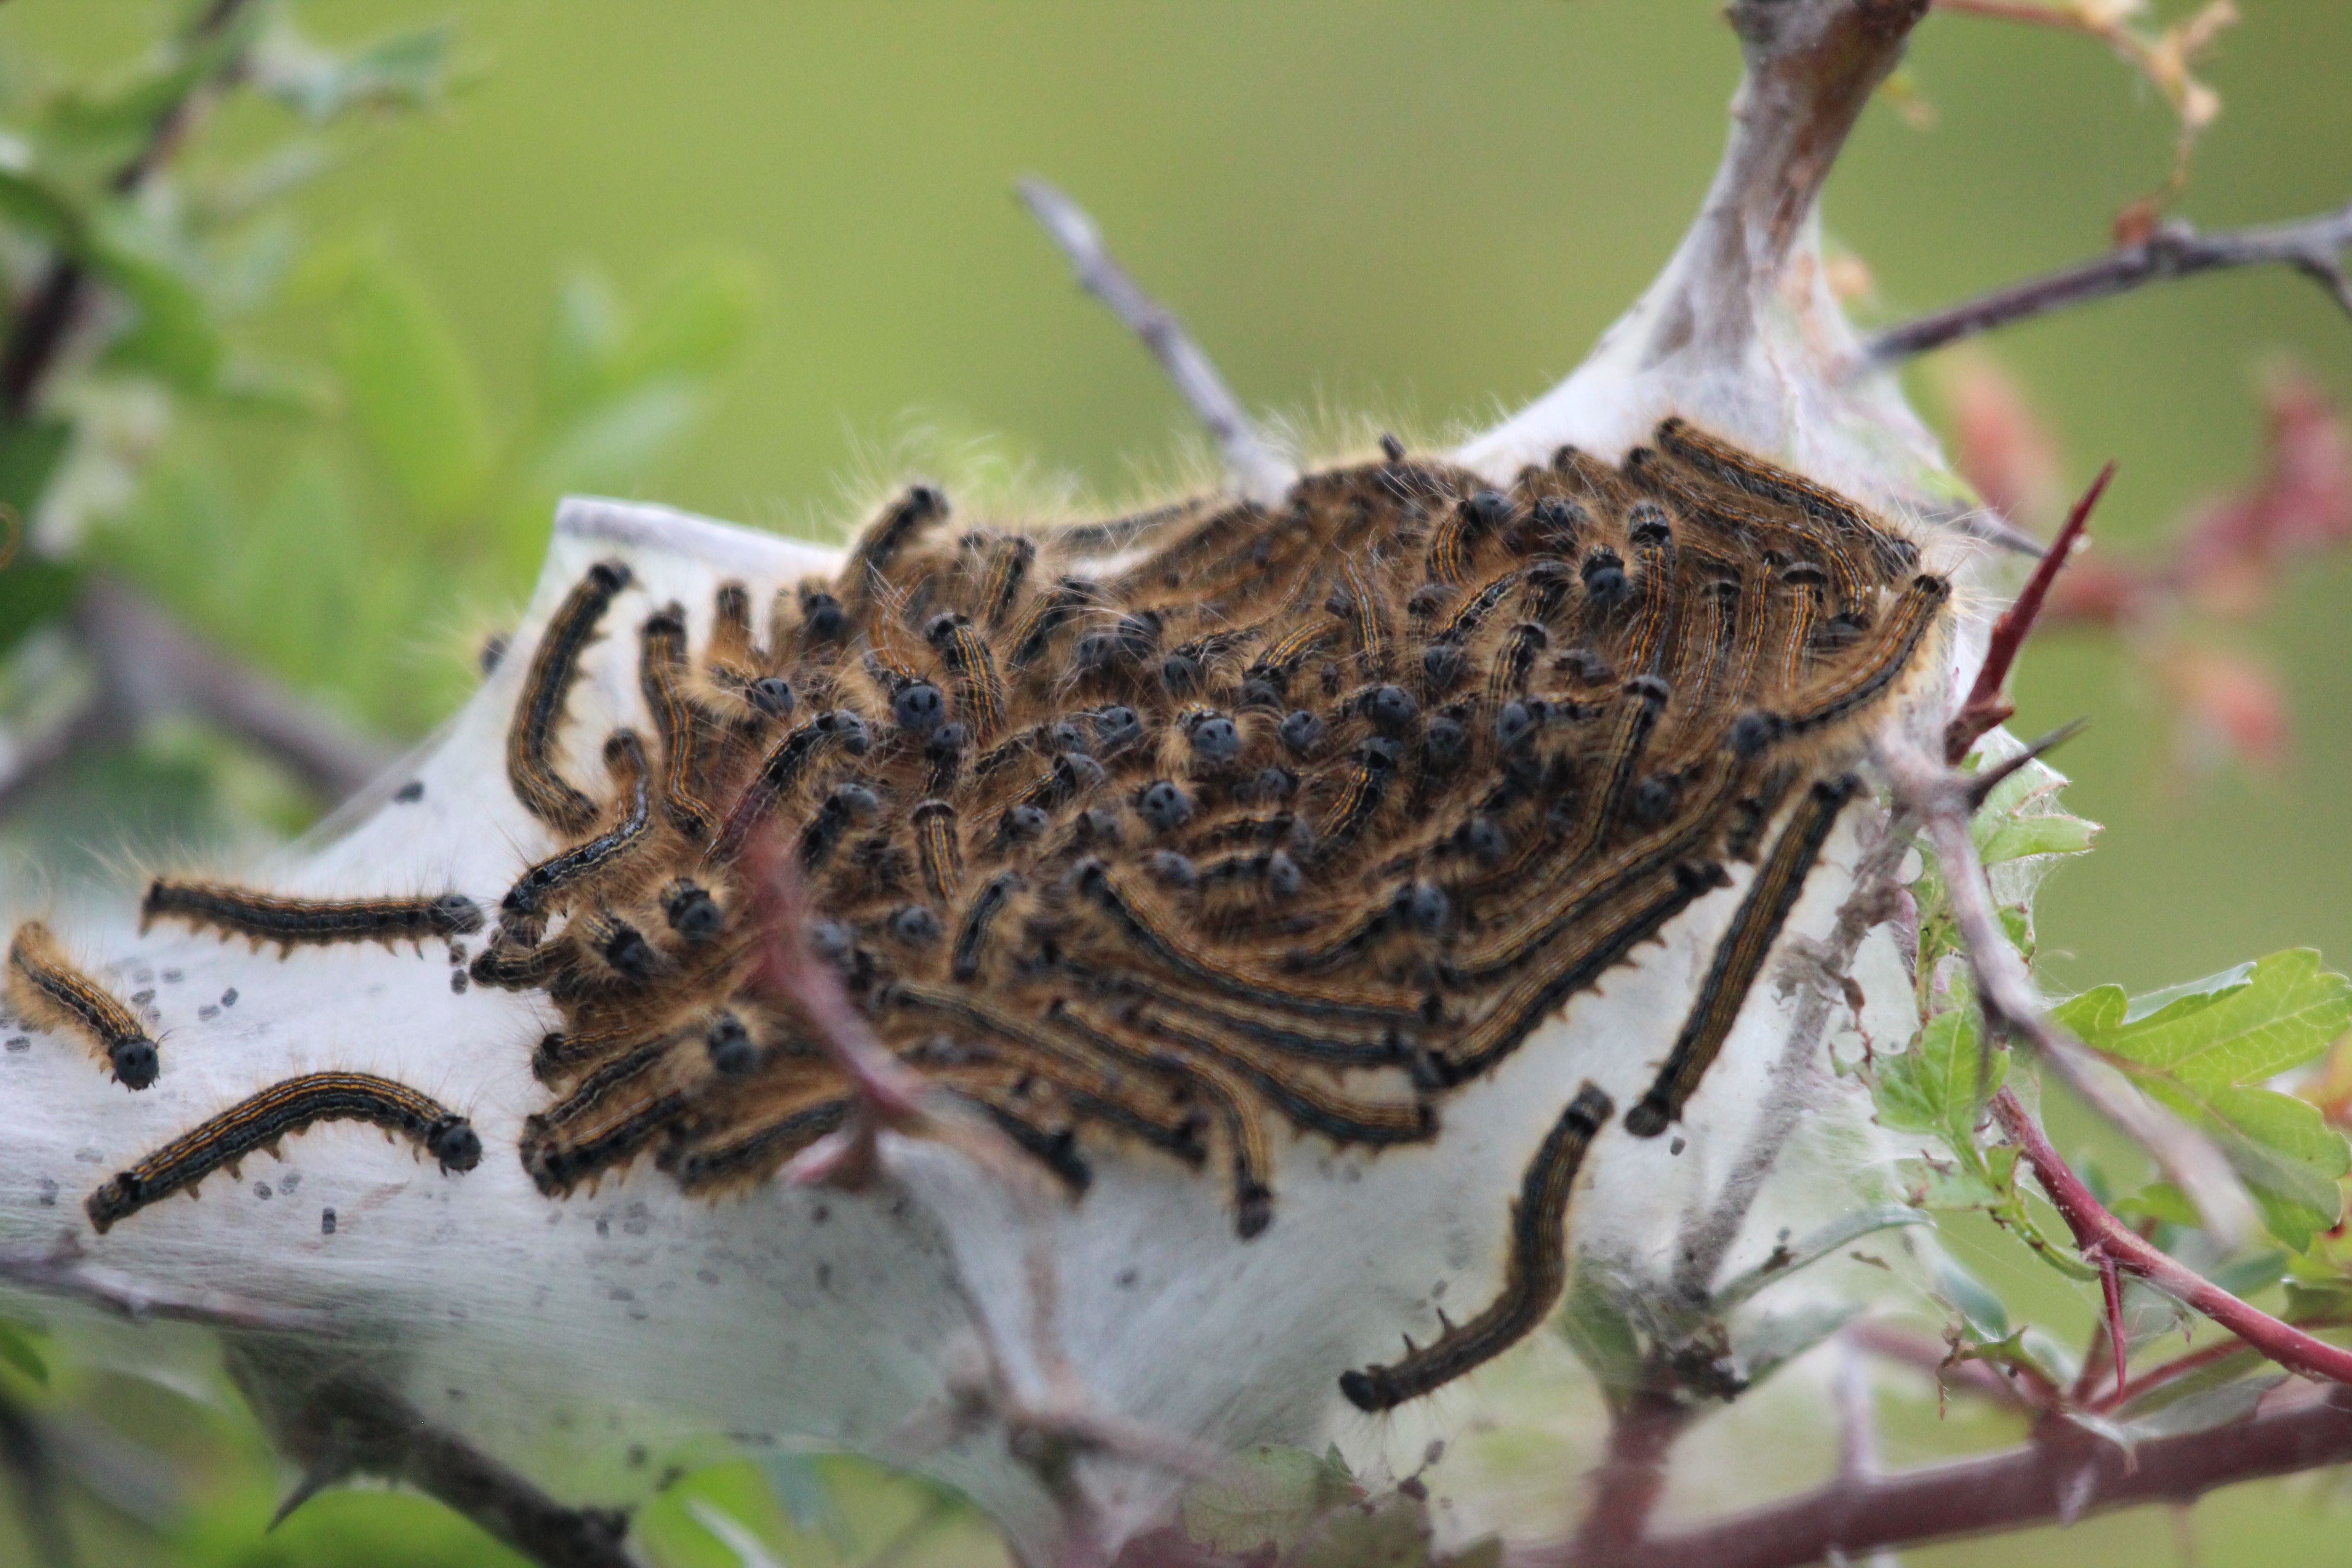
[2207,1049]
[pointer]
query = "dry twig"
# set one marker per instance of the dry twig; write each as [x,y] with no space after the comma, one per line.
[2313,247]
[1259,471]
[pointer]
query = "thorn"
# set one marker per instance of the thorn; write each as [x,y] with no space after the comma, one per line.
[324,1472]
[1982,785]
[2111,1285]
[1986,707]
[1997,530]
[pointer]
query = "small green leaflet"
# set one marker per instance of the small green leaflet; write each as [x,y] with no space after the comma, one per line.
[1269,1494]
[1933,1088]
[2207,1049]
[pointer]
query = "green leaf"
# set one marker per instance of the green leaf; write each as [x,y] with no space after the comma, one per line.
[1602,1335]
[32,590]
[582,340]
[1968,1296]
[174,337]
[2020,836]
[2206,1049]
[18,1352]
[1265,1494]
[412,390]
[610,449]
[801,1485]
[2321,1303]
[30,201]
[405,70]
[30,455]
[1936,1087]
[1391,1533]
[695,324]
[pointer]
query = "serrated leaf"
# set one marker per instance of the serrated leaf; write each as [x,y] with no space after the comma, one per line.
[1938,1087]
[412,389]
[1267,1494]
[2058,834]
[2206,1049]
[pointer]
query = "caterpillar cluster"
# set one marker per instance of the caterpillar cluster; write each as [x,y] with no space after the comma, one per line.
[1174,829]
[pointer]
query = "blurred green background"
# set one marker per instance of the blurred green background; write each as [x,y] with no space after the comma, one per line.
[752,258]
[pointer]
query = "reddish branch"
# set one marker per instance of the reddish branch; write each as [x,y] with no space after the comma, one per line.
[2101,1236]
[1631,1479]
[2034,1483]
[1986,706]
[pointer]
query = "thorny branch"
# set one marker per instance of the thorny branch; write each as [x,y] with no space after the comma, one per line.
[1258,471]
[338,1420]
[2034,1483]
[2101,1236]
[1986,707]
[2313,247]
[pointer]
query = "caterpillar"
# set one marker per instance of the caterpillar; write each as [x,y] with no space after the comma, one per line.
[49,989]
[1535,1272]
[280,1112]
[292,923]
[547,688]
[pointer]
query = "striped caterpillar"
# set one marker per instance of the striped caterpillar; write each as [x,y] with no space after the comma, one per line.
[1180,830]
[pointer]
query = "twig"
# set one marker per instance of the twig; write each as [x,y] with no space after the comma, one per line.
[2102,1237]
[339,1420]
[1904,1348]
[1259,471]
[151,665]
[1632,1475]
[1047,1432]
[63,1271]
[2008,1490]
[1704,1241]
[1940,800]
[2313,246]
[43,321]
[1986,707]
[1812,67]
[1857,1415]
